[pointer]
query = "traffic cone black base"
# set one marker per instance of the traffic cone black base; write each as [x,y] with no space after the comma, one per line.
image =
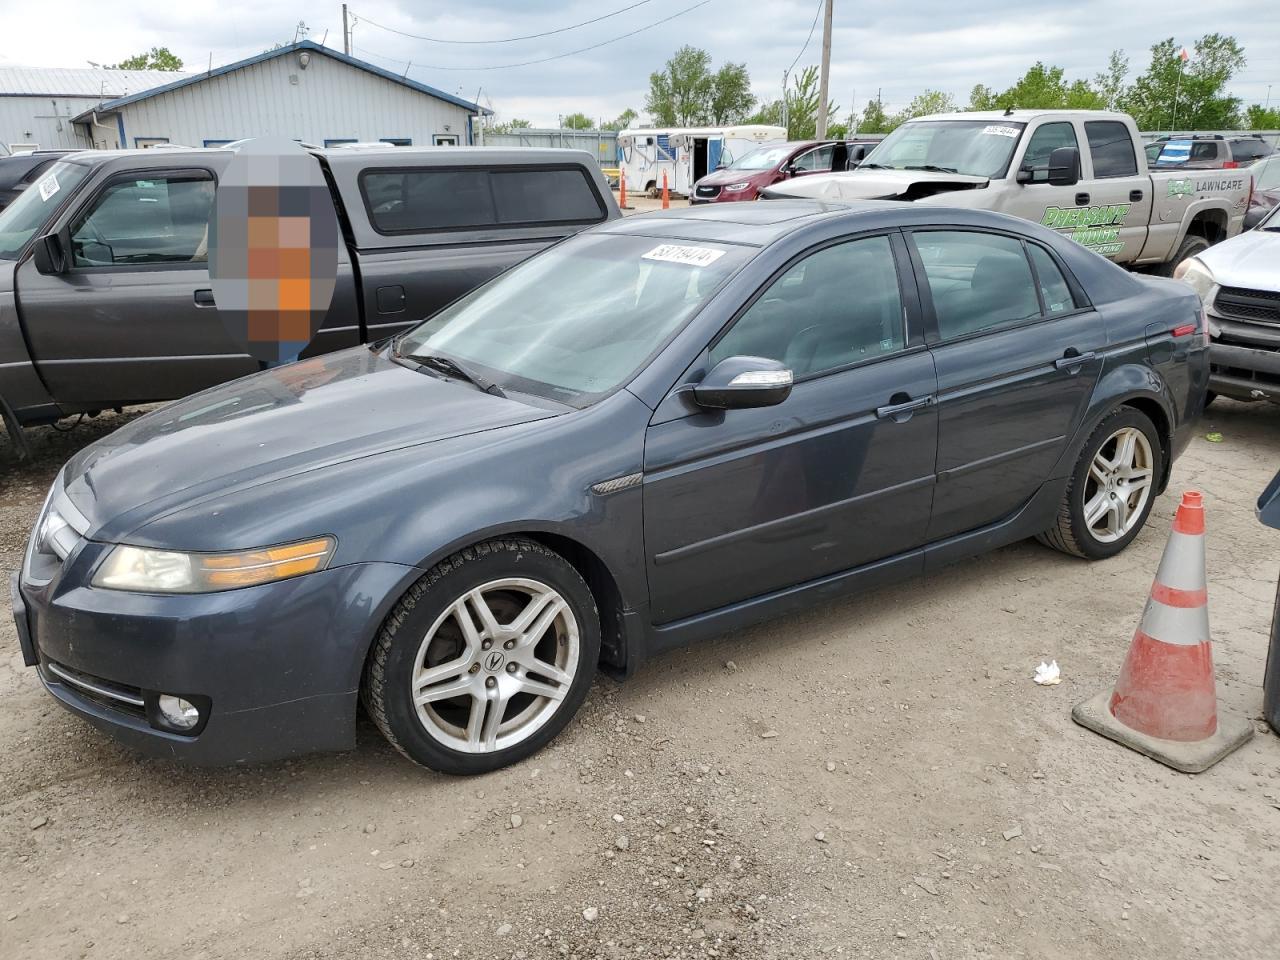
[1189,757]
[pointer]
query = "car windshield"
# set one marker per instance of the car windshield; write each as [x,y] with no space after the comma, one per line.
[23,218]
[979,148]
[763,159]
[576,322]
[1267,175]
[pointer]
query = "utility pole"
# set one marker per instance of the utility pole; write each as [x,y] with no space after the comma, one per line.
[826,72]
[346,32]
[785,126]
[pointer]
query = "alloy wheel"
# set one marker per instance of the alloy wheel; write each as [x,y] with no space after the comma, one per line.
[496,665]
[1118,485]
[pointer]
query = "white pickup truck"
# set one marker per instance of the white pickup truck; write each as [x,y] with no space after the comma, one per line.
[1081,172]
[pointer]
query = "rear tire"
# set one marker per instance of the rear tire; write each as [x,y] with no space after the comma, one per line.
[1103,508]
[456,682]
[1192,245]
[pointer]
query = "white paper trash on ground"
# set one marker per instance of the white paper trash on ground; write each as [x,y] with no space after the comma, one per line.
[1047,674]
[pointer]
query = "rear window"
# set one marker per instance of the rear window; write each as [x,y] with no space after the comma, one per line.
[1244,151]
[409,200]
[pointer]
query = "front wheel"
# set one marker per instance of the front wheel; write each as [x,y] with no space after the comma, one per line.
[1112,489]
[1192,246]
[485,659]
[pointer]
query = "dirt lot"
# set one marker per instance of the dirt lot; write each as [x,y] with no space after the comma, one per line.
[838,784]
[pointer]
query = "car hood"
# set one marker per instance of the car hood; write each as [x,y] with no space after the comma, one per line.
[289,420]
[719,178]
[1248,260]
[874,185]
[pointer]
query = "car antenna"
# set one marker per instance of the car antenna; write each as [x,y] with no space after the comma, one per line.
[1008,111]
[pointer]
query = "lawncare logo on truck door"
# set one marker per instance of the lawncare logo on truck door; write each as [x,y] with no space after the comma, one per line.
[1097,228]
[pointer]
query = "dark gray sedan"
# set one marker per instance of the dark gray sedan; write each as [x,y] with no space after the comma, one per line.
[658,430]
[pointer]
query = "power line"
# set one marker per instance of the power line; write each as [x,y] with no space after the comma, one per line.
[558,56]
[532,36]
[813,26]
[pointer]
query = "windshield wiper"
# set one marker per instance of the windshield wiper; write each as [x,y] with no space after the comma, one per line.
[874,166]
[934,168]
[438,361]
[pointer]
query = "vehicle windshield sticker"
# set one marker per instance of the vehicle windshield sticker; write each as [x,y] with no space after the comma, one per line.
[692,256]
[1097,228]
[997,130]
[48,187]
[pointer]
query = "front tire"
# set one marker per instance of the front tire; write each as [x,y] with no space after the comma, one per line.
[1111,490]
[1192,245]
[485,659]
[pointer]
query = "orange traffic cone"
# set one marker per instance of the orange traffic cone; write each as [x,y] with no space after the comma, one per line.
[666,197]
[1164,703]
[622,190]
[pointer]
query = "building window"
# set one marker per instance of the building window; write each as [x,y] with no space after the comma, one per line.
[142,143]
[218,143]
[444,139]
[398,141]
[338,141]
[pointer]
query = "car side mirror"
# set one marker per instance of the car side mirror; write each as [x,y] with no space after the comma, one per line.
[1064,167]
[49,254]
[737,383]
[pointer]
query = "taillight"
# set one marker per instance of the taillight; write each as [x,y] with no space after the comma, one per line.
[1186,330]
[1230,165]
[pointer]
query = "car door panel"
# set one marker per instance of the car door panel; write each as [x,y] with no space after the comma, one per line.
[742,502]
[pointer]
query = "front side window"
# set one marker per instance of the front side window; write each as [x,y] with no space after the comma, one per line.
[978,281]
[577,321]
[1112,149]
[815,160]
[835,307]
[161,218]
[1044,141]
[32,211]
[422,200]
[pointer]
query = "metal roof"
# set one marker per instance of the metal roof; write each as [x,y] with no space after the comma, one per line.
[86,82]
[308,45]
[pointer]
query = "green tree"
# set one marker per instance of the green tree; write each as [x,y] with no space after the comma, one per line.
[679,93]
[1043,88]
[1110,83]
[622,121]
[874,119]
[157,58]
[731,97]
[931,101]
[982,97]
[1258,117]
[577,121]
[508,126]
[1190,96]
[768,113]
[802,105]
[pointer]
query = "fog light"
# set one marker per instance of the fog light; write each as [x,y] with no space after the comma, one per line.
[178,713]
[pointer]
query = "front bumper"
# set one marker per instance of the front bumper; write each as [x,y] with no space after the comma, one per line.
[276,667]
[1245,360]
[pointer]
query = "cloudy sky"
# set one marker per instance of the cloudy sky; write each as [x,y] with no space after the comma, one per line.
[899,48]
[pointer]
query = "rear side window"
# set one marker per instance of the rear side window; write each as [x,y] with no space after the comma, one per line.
[424,200]
[978,281]
[1053,286]
[1112,149]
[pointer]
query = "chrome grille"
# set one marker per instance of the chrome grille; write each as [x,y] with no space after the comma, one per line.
[118,696]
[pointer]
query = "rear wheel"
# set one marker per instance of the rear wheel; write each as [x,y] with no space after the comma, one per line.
[1192,245]
[485,659]
[1112,489]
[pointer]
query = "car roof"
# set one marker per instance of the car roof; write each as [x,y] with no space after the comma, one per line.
[453,156]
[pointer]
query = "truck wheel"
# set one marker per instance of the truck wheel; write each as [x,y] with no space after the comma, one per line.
[1192,245]
[1112,489]
[651,190]
[485,659]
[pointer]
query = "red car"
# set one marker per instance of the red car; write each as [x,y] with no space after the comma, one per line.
[745,177]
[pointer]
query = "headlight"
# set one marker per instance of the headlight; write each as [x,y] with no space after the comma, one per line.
[145,570]
[1195,274]
[735,187]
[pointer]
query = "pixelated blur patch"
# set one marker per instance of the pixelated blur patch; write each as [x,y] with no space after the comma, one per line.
[273,249]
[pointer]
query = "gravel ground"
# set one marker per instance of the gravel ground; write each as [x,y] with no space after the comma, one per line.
[878,778]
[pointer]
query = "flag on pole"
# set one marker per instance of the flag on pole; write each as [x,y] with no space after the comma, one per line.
[1183,55]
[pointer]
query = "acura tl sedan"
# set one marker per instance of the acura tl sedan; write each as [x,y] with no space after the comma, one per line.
[656,431]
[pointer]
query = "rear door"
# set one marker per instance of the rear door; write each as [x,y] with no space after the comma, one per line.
[442,231]
[133,318]
[1115,196]
[1018,351]
[740,503]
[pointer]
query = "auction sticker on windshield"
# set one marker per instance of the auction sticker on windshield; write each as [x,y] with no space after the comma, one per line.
[48,187]
[692,256]
[997,130]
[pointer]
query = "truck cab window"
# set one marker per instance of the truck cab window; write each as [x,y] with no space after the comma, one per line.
[160,219]
[1112,149]
[1044,141]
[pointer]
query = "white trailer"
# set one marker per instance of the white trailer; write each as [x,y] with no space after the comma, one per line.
[685,154]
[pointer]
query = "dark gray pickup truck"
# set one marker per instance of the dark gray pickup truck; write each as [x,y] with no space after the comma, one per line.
[123,311]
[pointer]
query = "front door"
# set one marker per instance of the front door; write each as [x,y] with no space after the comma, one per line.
[1018,352]
[133,319]
[743,502]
